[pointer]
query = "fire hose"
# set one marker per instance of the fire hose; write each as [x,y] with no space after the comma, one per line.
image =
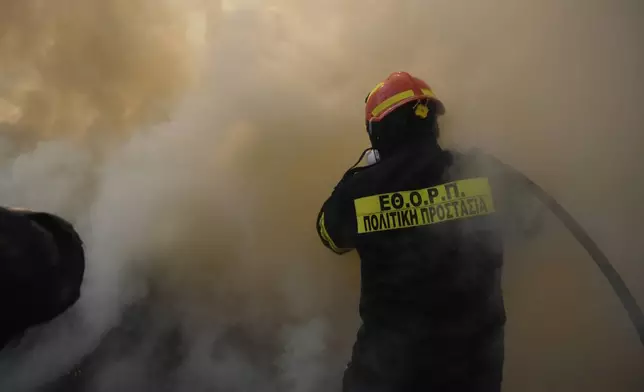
[579,233]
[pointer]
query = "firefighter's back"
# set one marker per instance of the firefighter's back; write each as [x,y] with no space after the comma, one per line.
[431,263]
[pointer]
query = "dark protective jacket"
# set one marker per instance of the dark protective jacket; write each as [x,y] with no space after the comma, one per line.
[42,263]
[423,223]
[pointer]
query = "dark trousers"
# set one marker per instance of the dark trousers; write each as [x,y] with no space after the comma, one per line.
[395,361]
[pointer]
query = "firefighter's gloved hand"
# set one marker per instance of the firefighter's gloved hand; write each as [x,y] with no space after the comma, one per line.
[373,156]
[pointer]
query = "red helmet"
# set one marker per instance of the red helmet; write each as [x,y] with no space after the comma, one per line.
[398,89]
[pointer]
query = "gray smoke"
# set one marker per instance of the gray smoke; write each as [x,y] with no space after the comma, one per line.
[193,143]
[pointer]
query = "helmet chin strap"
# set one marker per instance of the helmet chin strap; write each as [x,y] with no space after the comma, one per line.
[370,133]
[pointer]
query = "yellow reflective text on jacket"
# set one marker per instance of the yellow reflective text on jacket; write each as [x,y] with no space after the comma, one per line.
[451,201]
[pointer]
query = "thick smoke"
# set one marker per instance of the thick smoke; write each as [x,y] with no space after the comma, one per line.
[193,143]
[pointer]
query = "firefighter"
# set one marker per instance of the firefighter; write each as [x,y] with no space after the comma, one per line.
[42,263]
[422,219]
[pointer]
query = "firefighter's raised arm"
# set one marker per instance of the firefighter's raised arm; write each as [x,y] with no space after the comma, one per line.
[336,220]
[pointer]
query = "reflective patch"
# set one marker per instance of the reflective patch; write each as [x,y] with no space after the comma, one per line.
[326,237]
[428,92]
[451,201]
[391,101]
[378,87]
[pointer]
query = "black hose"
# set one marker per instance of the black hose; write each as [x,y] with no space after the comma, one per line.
[617,283]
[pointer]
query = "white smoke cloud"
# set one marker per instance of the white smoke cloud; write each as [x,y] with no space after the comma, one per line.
[193,142]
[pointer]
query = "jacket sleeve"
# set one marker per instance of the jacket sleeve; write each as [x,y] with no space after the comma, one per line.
[336,222]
